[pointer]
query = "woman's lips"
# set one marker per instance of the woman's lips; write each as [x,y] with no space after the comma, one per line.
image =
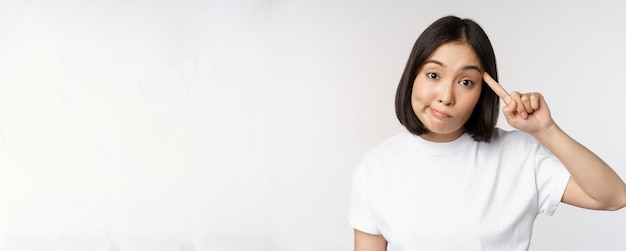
[439,114]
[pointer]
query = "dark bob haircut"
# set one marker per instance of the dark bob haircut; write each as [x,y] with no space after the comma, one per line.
[481,124]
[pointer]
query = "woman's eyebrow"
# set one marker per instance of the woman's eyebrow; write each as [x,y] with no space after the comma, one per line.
[467,67]
[473,67]
[432,61]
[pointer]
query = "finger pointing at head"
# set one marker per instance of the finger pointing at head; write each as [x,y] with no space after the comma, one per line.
[497,88]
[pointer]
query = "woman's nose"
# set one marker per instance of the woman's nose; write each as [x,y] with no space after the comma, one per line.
[446,96]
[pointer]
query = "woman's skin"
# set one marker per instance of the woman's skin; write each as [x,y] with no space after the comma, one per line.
[446,89]
[445,92]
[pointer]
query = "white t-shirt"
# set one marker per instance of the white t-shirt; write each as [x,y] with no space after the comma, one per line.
[459,195]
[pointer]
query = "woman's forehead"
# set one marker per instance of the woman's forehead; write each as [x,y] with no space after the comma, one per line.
[454,55]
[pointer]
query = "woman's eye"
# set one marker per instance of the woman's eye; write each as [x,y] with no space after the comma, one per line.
[432,75]
[466,82]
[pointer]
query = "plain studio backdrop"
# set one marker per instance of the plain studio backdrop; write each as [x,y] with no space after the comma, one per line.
[235,125]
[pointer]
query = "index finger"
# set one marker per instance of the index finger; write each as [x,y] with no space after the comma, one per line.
[496,87]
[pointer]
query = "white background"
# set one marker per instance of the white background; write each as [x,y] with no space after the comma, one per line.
[235,125]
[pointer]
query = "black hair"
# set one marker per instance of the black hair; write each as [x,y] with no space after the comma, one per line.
[481,124]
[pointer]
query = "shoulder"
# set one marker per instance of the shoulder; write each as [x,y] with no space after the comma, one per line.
[513,145]
[514,137]
[391,146]
[380,155]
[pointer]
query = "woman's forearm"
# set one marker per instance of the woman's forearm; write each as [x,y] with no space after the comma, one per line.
[597,179]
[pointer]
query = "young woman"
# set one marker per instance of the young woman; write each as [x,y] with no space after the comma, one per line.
[453,181]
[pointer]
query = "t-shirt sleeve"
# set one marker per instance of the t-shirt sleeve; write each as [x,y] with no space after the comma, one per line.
[552,178]
[359,214]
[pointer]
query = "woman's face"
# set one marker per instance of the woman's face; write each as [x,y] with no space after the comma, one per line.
[446,89]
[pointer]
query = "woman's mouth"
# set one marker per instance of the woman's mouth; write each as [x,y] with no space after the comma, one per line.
[439,114]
